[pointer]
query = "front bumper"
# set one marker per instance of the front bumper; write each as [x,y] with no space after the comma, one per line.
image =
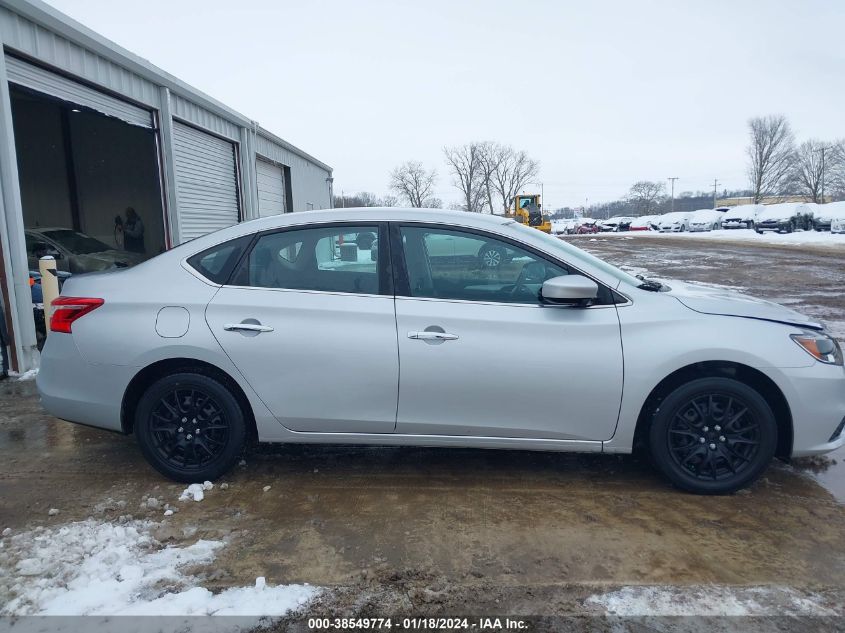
[735,224]
[816,398]
[772,226]
[75,390]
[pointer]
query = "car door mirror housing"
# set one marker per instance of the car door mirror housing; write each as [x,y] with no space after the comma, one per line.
[569,290]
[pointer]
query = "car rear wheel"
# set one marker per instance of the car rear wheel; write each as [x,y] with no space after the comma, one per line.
[190,427]
[713,436]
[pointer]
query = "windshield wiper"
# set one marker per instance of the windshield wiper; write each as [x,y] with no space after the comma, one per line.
[649,284]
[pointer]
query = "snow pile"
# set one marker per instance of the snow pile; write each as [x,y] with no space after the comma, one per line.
[27,375]
[798,238]
[709,600]
[196,491]
[95,568]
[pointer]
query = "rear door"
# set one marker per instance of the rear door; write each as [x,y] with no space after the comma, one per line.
[309,322]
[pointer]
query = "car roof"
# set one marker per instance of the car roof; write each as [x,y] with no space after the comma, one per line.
[377,214]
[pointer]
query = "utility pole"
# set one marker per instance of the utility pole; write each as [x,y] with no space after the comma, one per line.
[823,149]
[673,191]
[715,184]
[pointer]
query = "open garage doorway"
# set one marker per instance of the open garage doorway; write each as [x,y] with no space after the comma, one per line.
[90,184]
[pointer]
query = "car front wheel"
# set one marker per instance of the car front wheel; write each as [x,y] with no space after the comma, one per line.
[713,436]
[190,427]
[491,256]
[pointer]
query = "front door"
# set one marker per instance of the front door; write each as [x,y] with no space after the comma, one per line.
[480,356]
[308,322]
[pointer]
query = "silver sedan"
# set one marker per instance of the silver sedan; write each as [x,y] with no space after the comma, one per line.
[284,329]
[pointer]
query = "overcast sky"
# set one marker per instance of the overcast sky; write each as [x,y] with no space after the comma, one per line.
[601,93]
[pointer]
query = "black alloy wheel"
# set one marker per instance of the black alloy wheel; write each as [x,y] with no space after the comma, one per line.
[190,427]
[713,435]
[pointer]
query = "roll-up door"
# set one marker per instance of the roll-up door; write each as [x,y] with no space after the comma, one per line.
[36,78]
[206,182]
[271,188]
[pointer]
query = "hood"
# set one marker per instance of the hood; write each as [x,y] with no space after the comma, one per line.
[106,259]
[709,300]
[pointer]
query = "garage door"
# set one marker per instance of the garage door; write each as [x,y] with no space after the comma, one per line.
[35,78]
[271,188]
[206,182]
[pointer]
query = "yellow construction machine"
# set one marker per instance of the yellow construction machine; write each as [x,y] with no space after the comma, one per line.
[528,210]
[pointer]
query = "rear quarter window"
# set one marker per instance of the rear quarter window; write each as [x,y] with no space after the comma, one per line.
[217,263]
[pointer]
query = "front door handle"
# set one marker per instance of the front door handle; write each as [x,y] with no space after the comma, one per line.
[433,336]
[247,327]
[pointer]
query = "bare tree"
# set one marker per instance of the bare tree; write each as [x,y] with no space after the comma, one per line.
[809,168]
[413,183]
[513,170]
[492,156]
[646,195]
[771,154]
[465,163]
[834,170]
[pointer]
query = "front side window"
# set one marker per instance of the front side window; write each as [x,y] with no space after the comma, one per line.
[450,264]
[330,259]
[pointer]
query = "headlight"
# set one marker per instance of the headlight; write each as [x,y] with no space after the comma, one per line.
[822,347]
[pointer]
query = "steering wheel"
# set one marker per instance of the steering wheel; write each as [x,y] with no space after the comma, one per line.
[537,268]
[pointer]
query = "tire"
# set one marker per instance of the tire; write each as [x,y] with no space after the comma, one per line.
[173,447]
[726,460]
[491,256]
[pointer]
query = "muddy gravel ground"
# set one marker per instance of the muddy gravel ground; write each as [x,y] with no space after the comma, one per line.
[447,531]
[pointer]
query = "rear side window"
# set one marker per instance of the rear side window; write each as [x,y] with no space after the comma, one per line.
[217,263]
[326,259]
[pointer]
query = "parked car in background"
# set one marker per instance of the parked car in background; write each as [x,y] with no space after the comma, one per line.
[785,217]
[37,296]
[837,225]
[562,227]
[644,223]
[616,224]
[674,222]
[254,331]
[586,226]
[742,216]
[824,214]
[75,252]
[706,220]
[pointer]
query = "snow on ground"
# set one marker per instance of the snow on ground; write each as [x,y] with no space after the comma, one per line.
[196,492]
[27,375]
[97,568]
[710,600]
[815,238]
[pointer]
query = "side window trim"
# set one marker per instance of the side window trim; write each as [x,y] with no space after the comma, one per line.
[402,283]
[385,276]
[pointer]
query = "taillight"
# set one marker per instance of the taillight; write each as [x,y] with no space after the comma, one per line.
[66,310]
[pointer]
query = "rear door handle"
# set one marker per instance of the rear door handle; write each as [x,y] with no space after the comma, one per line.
[433,336]
[247,327]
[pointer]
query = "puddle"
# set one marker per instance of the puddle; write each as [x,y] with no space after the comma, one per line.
[827,470]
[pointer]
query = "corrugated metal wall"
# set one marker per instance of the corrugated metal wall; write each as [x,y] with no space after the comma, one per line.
[308,180]
[40,33]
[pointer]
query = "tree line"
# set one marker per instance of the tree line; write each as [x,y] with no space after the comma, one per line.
[487,174]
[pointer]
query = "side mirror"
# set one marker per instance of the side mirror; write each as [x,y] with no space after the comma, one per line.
[569,290]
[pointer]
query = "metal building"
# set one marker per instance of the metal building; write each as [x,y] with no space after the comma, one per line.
[90,131]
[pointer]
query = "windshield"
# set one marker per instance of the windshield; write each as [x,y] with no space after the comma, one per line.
[574,254]
[76,243]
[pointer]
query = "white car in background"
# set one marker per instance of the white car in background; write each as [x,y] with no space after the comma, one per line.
[743,216]
[837,225]
[674,222]
[825,214]
[616,224]
[560,227]
[706,220]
